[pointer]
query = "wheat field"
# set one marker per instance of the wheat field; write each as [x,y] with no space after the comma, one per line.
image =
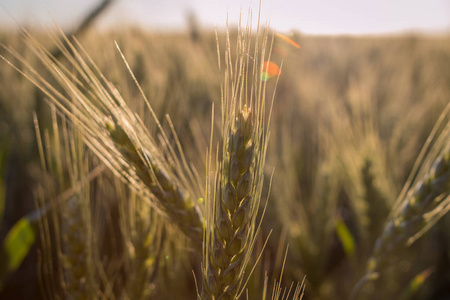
[145,165]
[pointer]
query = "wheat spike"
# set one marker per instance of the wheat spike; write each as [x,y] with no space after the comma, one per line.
[176,202]
[424,199]
[232,207]
[235,206]
[421,208]
[117,135]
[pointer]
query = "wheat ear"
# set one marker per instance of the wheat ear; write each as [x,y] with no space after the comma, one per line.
[232,207]
[424,205]
[70,218]
[177,203]
[424,199]
[235,207]
[116,134]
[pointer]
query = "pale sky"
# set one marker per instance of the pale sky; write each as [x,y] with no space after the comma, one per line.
[308,16]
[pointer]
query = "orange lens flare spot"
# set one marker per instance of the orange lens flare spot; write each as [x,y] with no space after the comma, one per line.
[288,40]
[271,69]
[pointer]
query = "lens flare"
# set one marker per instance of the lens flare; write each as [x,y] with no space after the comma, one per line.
[270,69]
[288,40]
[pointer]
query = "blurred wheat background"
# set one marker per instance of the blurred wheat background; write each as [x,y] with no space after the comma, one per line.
[350,118]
